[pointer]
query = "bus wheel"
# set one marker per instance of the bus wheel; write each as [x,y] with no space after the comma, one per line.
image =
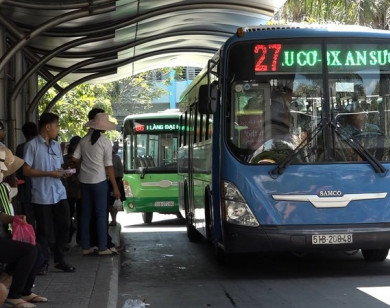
[147,217]
[192,234]
[208,214]
[375,255]
[222,257]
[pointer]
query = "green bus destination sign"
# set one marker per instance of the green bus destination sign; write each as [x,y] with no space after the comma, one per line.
[308,58]
[155,127]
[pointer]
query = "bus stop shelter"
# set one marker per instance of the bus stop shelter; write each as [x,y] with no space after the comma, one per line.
[95,41]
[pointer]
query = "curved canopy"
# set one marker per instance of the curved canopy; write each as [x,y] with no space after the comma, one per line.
[105,40]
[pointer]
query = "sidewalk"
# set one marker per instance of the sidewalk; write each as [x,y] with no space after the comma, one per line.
[94,284]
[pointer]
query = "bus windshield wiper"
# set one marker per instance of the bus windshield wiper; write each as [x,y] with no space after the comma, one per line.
[287,161]
[359,148]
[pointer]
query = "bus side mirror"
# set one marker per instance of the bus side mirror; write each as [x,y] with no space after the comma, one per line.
[208,98]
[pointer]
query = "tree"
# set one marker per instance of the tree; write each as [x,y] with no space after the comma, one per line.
[130,95]
[74,106]
[134,94]
[371,13]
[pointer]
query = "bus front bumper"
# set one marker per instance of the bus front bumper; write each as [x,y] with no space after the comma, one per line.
[239,239]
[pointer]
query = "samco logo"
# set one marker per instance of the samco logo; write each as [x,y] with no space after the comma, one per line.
[330,193]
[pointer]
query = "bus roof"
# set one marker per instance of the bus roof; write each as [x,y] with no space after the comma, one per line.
[169,113]
[290,31]
[308,30]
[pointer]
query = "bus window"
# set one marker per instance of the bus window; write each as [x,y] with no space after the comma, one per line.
[270,118]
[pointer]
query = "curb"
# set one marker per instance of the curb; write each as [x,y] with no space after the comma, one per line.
[105,291]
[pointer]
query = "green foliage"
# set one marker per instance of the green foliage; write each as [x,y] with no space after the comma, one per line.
[134,94]
[371,13]
[74,106]
[127,96]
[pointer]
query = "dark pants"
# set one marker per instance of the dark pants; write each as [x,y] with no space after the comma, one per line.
[56,215]
[75,213]
[21,264]
[28,210]
[94,200]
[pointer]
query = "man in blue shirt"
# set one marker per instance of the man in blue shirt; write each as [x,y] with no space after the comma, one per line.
[43,159]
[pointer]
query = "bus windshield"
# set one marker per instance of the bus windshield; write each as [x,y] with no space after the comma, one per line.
[151,143]
[319,95]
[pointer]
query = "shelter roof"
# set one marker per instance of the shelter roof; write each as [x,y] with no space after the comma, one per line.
[105,40]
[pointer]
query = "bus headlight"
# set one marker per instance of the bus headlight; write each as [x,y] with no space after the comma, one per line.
[237,210]
[128,191]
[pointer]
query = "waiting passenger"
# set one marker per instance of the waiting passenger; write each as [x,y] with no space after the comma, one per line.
[43,159]
[95,152]
[21,258]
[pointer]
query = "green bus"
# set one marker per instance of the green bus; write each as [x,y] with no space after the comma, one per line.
[150,142]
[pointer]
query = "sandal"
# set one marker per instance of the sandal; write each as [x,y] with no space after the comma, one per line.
[18,303]
[34,298]
[107,252]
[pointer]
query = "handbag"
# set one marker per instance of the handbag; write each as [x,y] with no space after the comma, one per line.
[23,231]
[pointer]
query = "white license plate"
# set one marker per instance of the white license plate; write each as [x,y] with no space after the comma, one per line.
[331,239]
[164,203]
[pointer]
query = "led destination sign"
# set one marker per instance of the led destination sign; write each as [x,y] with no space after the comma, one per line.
[308,57]
[155,127]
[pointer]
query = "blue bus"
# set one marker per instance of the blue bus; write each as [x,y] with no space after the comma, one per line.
[284,142]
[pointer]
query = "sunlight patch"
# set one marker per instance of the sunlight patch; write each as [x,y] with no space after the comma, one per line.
[380,293]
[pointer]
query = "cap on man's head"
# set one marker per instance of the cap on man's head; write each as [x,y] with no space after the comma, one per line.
[1,126]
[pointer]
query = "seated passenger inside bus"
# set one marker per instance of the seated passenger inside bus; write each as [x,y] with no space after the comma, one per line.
[358,127]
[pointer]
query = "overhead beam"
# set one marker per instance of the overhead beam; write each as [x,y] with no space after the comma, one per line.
[75,84]
[51,55]
[61,75]
[47,25]
[158,11]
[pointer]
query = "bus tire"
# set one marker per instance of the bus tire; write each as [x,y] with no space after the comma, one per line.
[223,258]
[375,255]
[147,217]
[192,234]
[208,214]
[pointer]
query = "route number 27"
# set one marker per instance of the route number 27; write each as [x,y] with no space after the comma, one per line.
[266,55]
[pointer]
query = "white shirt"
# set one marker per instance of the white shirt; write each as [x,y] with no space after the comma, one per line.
[94,158]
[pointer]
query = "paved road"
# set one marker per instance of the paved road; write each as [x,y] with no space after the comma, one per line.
[162,268]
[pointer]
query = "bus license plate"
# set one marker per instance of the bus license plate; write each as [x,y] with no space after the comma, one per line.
[164,203]
[331,239]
